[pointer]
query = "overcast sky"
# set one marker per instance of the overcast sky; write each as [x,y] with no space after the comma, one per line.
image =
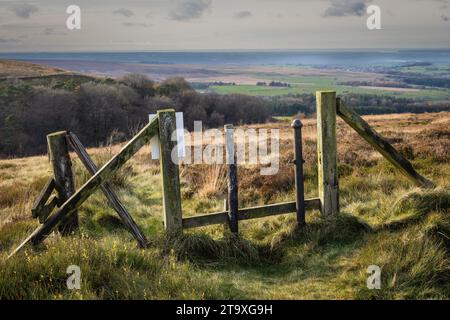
[222,24]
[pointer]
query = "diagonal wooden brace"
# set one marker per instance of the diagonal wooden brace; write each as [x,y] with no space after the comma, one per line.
[114,201]
[381,145]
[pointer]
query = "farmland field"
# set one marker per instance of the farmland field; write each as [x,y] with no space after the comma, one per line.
[309,84]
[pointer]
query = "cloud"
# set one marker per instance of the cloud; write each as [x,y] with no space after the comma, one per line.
[444,18]
[124,12]
[24,10]
[189,9]
[9,40]
[49,31]
[341,8]
[135,24]
[242,14]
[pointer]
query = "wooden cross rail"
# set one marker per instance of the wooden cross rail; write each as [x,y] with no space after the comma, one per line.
[114,201]
[102,175]
[381,145]
[249,213]
[40,209]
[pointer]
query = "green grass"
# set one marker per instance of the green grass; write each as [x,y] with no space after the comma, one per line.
[383,222]
[433,70]
[423,94]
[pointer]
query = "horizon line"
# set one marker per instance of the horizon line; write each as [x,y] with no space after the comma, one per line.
[228,50]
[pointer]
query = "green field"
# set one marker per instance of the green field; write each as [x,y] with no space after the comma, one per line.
[311,84]
[433,70]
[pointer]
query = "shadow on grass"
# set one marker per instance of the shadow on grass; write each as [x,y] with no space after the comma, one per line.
[288,248]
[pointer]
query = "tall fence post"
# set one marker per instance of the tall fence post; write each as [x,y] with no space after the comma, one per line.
[327,152]
[170,173]
[64,182]
[232,179]
[298,162]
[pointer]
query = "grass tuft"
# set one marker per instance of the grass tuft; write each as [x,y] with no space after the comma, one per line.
[419,202]
[341,229]
[200,248]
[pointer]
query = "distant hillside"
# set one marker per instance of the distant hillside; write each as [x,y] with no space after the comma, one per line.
[12,68]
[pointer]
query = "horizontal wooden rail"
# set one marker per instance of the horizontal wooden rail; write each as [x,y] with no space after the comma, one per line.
[93,183]
[248,213]
[381,145]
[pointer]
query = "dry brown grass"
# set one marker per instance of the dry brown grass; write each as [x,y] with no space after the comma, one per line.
[11,68]
[205,181]
[416,136]
[384,222]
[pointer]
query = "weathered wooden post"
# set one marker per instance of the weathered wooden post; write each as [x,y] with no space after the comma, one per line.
[170,173]
[298,162]
[327,152]
[232,179]
[64,182]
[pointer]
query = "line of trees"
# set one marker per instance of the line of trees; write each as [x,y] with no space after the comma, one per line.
[290,105]
[94,110]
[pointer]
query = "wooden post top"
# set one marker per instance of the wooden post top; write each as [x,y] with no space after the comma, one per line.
[166,110]
[56,134]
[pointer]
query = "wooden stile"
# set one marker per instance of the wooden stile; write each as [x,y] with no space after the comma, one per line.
[102,175]
[164,125]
